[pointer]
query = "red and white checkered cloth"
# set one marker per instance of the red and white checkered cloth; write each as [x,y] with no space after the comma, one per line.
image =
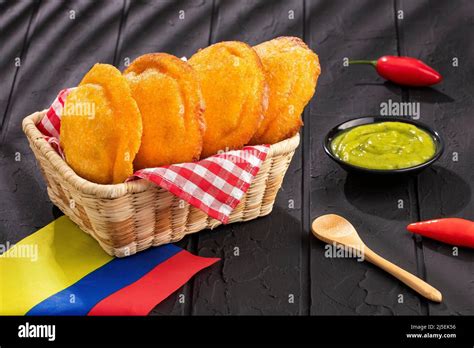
[215,184]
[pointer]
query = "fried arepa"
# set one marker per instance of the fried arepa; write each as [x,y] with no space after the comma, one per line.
[234,89]
[292,70]
[169,97]
[101,127]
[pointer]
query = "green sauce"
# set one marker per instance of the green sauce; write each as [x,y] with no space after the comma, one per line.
[384,145]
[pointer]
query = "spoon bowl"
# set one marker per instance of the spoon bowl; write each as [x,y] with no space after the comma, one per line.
[332,228]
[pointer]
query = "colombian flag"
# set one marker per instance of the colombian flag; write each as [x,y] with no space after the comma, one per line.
[60,270]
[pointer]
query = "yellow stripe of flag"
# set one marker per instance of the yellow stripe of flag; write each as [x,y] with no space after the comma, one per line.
[44,263]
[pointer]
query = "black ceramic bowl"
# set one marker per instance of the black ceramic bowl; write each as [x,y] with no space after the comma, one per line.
[370,120]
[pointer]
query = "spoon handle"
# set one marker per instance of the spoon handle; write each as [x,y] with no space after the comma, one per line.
[409,279]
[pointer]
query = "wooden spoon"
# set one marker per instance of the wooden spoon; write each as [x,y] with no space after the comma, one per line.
[333,228]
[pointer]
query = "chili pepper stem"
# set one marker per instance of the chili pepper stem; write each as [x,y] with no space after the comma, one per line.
[371,62]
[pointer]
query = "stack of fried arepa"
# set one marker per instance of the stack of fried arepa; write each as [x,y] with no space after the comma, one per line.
[163,110]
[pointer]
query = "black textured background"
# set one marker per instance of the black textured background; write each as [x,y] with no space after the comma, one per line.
[278,258]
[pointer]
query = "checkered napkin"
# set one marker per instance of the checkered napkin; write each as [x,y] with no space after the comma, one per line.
[215,184]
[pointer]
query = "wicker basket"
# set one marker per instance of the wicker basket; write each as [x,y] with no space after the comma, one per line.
[133,216]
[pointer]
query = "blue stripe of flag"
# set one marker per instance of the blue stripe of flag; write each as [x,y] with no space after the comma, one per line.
[79,298]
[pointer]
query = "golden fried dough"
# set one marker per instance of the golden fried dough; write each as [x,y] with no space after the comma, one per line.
[101,127]
[235,93]
[170,101]
[291,70]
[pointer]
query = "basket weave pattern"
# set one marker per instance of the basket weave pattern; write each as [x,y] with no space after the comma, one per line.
[133,216]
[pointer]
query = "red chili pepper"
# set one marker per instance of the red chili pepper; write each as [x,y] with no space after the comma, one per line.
[404,70]
[459,232]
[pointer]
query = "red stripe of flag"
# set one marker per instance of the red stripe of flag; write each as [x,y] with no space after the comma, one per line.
[140,297]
